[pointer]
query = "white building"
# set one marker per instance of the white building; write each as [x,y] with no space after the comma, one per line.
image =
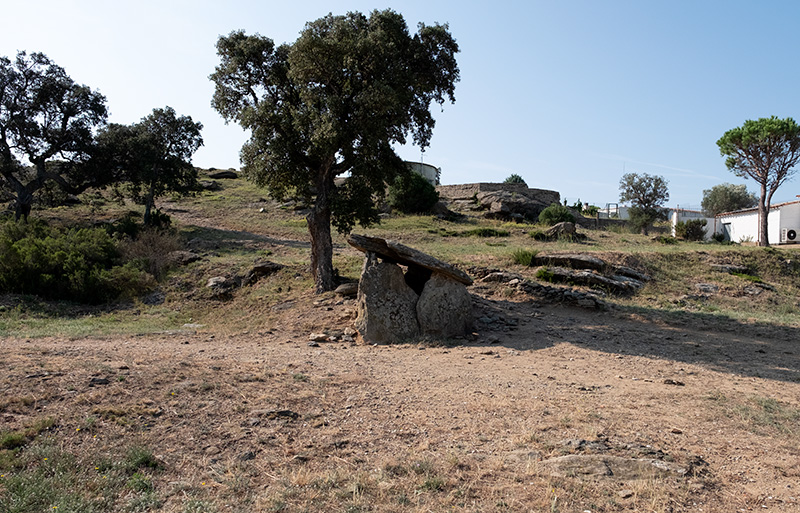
[783,224]
[681,215]
[429,172]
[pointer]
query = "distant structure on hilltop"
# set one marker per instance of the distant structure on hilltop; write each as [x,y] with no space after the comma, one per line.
[468,191]
[431,173]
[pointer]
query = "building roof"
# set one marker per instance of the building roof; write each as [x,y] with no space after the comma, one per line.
[755,209]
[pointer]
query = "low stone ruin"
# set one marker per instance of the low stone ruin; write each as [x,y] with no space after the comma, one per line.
[429,299]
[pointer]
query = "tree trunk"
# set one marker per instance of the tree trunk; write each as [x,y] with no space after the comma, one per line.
[22,205]
[319,226]
[763,214]
[148,206]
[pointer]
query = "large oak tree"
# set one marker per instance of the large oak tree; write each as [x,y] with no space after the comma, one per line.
[766,150]
[332,104]
[47,126]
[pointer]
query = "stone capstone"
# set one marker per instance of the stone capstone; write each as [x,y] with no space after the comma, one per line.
[386,305]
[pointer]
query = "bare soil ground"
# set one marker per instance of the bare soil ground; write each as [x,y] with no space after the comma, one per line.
[265,422]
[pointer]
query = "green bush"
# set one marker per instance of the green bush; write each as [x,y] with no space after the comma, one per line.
[693,229]
[485,232]
[555,214]
[79,264]
[523,256]
[411,193]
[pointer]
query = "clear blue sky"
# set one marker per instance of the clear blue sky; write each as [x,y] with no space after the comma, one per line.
[569,94]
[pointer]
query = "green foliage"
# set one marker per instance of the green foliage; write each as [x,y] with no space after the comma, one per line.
[647,193]
[662,239]
[48,120]
[591,211]
[515,178]
[692,229]
[766,150]
[523,257]
[79,264]
[411,193]
[485,232]
[727,198]
[545,274]
[749,277]
[154,156]
[334,103]
[555,214]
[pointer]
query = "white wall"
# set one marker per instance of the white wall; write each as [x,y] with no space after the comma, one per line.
[686,215]
[744,226]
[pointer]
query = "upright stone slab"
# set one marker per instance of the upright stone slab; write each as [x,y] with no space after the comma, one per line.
[386,305]
[444,308]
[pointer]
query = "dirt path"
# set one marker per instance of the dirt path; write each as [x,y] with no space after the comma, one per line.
[537,381]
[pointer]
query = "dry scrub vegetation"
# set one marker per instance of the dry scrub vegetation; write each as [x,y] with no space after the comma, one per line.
[193,404]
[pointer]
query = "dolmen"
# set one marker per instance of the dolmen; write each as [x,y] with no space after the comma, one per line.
[429,299]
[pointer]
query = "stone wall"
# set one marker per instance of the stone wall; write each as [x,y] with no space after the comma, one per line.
[469,190]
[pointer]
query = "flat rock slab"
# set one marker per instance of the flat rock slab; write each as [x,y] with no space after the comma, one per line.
[395,252]
[598,466]
[618,285]
[576,261]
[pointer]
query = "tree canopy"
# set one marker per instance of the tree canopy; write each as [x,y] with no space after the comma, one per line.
[766,150]
[647,194]
[334,103]
[515,178]
[727,197]
[48,121]
[156,154]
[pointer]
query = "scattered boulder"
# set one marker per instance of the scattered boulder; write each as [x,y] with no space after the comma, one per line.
[707,288]
[347,289]
[561,230]
[182,257]
[220,286]
[260,270]
[229,174]
[210,185]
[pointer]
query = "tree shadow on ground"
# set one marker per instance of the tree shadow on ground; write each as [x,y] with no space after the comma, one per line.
[201,237]
[725,345]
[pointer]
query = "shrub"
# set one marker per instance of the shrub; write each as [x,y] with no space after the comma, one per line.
[555,214]
[693,229]
[411,193]
[523,256]
[666,240]
[149,251]
[76,264]
[485,232]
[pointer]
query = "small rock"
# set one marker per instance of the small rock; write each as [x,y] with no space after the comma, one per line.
[247,456]
[98,381]
[625,494]
[318,337]
[347,289]
[673,382]
[313,344]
